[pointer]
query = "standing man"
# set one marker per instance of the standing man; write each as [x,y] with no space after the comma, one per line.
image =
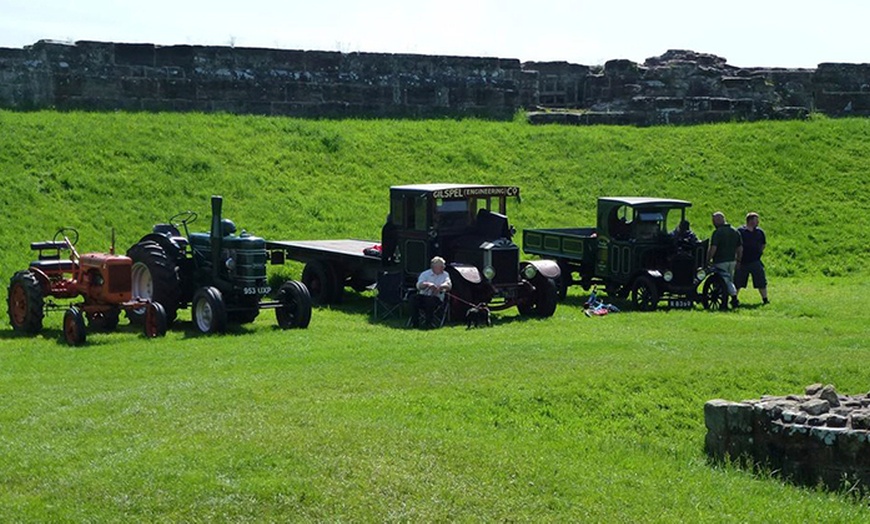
[726,250]
[432,285]
[754,242]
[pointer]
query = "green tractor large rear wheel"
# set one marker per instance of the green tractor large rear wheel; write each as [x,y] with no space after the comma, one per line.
[155,278]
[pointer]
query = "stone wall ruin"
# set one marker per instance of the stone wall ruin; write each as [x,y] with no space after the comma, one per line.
[678,87]
[820,437]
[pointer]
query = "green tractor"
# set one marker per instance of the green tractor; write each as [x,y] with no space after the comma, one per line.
[220,275]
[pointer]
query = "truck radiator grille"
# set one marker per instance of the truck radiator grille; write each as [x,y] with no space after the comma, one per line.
[506,264]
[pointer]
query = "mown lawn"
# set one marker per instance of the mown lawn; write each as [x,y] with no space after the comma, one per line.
[565,419]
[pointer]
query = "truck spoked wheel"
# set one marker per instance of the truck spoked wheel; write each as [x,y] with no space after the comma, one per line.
[544,301]
[295,310]
[104,320]
[715,293]
[74,327]
[209,310]
[26,303]
[645,294]
[155,321]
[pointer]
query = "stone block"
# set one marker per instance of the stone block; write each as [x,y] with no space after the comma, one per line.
[140,88]
[815,407]
[135,54]
[860,419]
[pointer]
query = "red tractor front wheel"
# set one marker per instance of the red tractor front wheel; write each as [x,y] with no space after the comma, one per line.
[74,327]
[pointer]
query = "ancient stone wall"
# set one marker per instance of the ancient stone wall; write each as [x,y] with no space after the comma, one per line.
[674,88]
[816,438]
[97,75]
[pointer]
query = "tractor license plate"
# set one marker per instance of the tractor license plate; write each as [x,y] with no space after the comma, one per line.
[682,303]
[256,290]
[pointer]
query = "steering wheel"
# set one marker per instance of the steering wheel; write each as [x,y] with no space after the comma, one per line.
[183,218]
[68,233]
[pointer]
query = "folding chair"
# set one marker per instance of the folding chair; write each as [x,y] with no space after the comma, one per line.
[390,295]
[439,316]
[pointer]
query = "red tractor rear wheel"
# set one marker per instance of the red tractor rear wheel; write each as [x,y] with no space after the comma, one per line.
[26,303]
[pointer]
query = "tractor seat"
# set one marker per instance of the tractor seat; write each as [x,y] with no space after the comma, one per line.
[53,266]
[48,244]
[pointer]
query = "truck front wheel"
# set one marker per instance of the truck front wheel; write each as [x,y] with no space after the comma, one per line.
[645,294]
[543,301]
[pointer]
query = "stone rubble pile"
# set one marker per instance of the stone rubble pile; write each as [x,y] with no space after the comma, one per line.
[818,437]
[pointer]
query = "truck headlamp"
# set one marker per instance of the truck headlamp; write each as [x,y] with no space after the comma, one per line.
[489,272]
[530,271]
[668,276]
[230,264]
[701,274]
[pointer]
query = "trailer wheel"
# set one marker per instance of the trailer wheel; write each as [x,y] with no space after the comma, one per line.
[74,327]
[154,277]
[644,294]
[155,321]
[295,311]
[26,303]
[209,310]
[715,293]
[104,320]
[322,283]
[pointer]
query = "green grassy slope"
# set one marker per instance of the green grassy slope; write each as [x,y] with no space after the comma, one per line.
[285,178]
[566,419]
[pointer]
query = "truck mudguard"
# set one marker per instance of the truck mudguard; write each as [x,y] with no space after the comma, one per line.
[467,273]
[547,268]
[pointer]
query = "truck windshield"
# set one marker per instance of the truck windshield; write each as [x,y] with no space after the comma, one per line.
[452,213]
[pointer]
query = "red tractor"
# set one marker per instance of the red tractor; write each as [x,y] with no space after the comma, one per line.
[103,281]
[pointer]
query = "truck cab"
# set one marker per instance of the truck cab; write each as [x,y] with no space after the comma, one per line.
[640,246]
[468,226]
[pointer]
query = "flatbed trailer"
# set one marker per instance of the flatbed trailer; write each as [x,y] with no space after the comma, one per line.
[331,264]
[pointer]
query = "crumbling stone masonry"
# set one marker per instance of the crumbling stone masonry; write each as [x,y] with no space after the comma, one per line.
[678,87]
[819,437]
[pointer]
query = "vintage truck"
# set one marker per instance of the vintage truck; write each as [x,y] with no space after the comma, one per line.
[463,223]
[636,249]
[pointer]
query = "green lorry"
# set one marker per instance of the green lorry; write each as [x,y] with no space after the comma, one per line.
[640,247]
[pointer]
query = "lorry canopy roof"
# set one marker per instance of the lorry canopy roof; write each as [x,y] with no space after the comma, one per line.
[459,190]
[647,201]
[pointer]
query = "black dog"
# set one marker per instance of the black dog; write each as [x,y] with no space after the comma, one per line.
[478,316]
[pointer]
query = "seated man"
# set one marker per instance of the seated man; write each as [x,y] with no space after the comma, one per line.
[432,286]
[684,233]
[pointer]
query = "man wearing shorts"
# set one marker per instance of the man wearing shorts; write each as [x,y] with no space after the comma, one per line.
[754,242]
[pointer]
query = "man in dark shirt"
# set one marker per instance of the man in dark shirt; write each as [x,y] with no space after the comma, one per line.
[754,242]
[725,252]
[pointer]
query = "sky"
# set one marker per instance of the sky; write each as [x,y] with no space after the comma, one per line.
[748,33]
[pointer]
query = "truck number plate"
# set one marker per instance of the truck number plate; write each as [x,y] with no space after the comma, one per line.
[681,303]
[256,290]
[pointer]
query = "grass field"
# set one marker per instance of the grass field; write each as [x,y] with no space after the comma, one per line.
[564,419]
